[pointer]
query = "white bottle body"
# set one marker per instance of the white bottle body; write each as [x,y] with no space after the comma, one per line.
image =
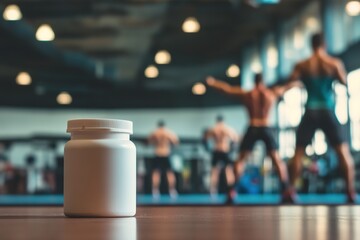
[100,175]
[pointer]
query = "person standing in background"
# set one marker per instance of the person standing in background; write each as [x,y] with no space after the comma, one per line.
[223,136]
[258,103]
[317,73]
[5,169]
[162,139]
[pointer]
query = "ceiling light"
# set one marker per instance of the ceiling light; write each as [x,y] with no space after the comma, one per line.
[272,57]
[12,13]
[45,33]
[23,78]
[151,71]
[233,71]
[64,98]
[191,25]
[199,89]
[312,23]
[163,57]
[353,8]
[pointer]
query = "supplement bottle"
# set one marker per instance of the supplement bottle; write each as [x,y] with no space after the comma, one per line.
[100,169]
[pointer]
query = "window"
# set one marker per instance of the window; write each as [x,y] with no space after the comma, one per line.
[341,106]
[354,110]
[290,111]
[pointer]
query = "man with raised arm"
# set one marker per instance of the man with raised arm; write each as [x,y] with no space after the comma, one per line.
[258,103]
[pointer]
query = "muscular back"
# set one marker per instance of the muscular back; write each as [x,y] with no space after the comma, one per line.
[162,140]
[317,74]
[258,103]
[318,66]
[222,136]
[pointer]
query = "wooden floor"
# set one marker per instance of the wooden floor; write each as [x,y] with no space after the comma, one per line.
[281,223]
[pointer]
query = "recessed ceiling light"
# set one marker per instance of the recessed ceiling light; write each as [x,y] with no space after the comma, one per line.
[23,78]
[64,98]
[191,25]
[45,33]
[199,89]
[163,57]
[151,71]
[233,71]
[12,13]
[312,23]
[353,8]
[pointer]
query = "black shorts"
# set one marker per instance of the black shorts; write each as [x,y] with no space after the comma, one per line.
[220,157]
[323,119]
[161,163]
[254,134]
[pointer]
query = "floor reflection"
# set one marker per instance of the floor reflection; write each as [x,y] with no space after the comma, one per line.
[100,228]
[261,222]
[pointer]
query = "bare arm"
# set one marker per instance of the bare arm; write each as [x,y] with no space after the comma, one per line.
[280,90]
[340,72]
[293,81]
[295,74]
[224,87]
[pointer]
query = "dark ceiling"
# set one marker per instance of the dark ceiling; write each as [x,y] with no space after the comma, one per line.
[102,48]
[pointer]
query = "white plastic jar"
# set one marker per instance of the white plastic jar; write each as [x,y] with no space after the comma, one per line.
[100,169]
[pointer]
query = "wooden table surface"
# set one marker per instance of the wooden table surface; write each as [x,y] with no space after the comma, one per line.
[285,222]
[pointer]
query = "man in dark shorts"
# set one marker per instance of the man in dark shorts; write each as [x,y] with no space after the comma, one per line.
[223,136]
[162,139]
[317,74]
[258,103]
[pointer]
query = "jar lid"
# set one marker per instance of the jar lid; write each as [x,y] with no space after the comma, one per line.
[112,125]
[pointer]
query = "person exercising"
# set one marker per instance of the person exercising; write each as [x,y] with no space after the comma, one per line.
[162,139]
[258,103]
[223,136]
[317,73]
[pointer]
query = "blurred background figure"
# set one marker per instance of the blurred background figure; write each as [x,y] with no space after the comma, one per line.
[317,73]
[5,169]
[258,103]
[59,174]
[223,137]
[33,176]
[162,139]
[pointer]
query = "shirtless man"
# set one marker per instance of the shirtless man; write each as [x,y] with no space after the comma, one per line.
[223,136]
[317,74]
[162,139]
[258,103]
